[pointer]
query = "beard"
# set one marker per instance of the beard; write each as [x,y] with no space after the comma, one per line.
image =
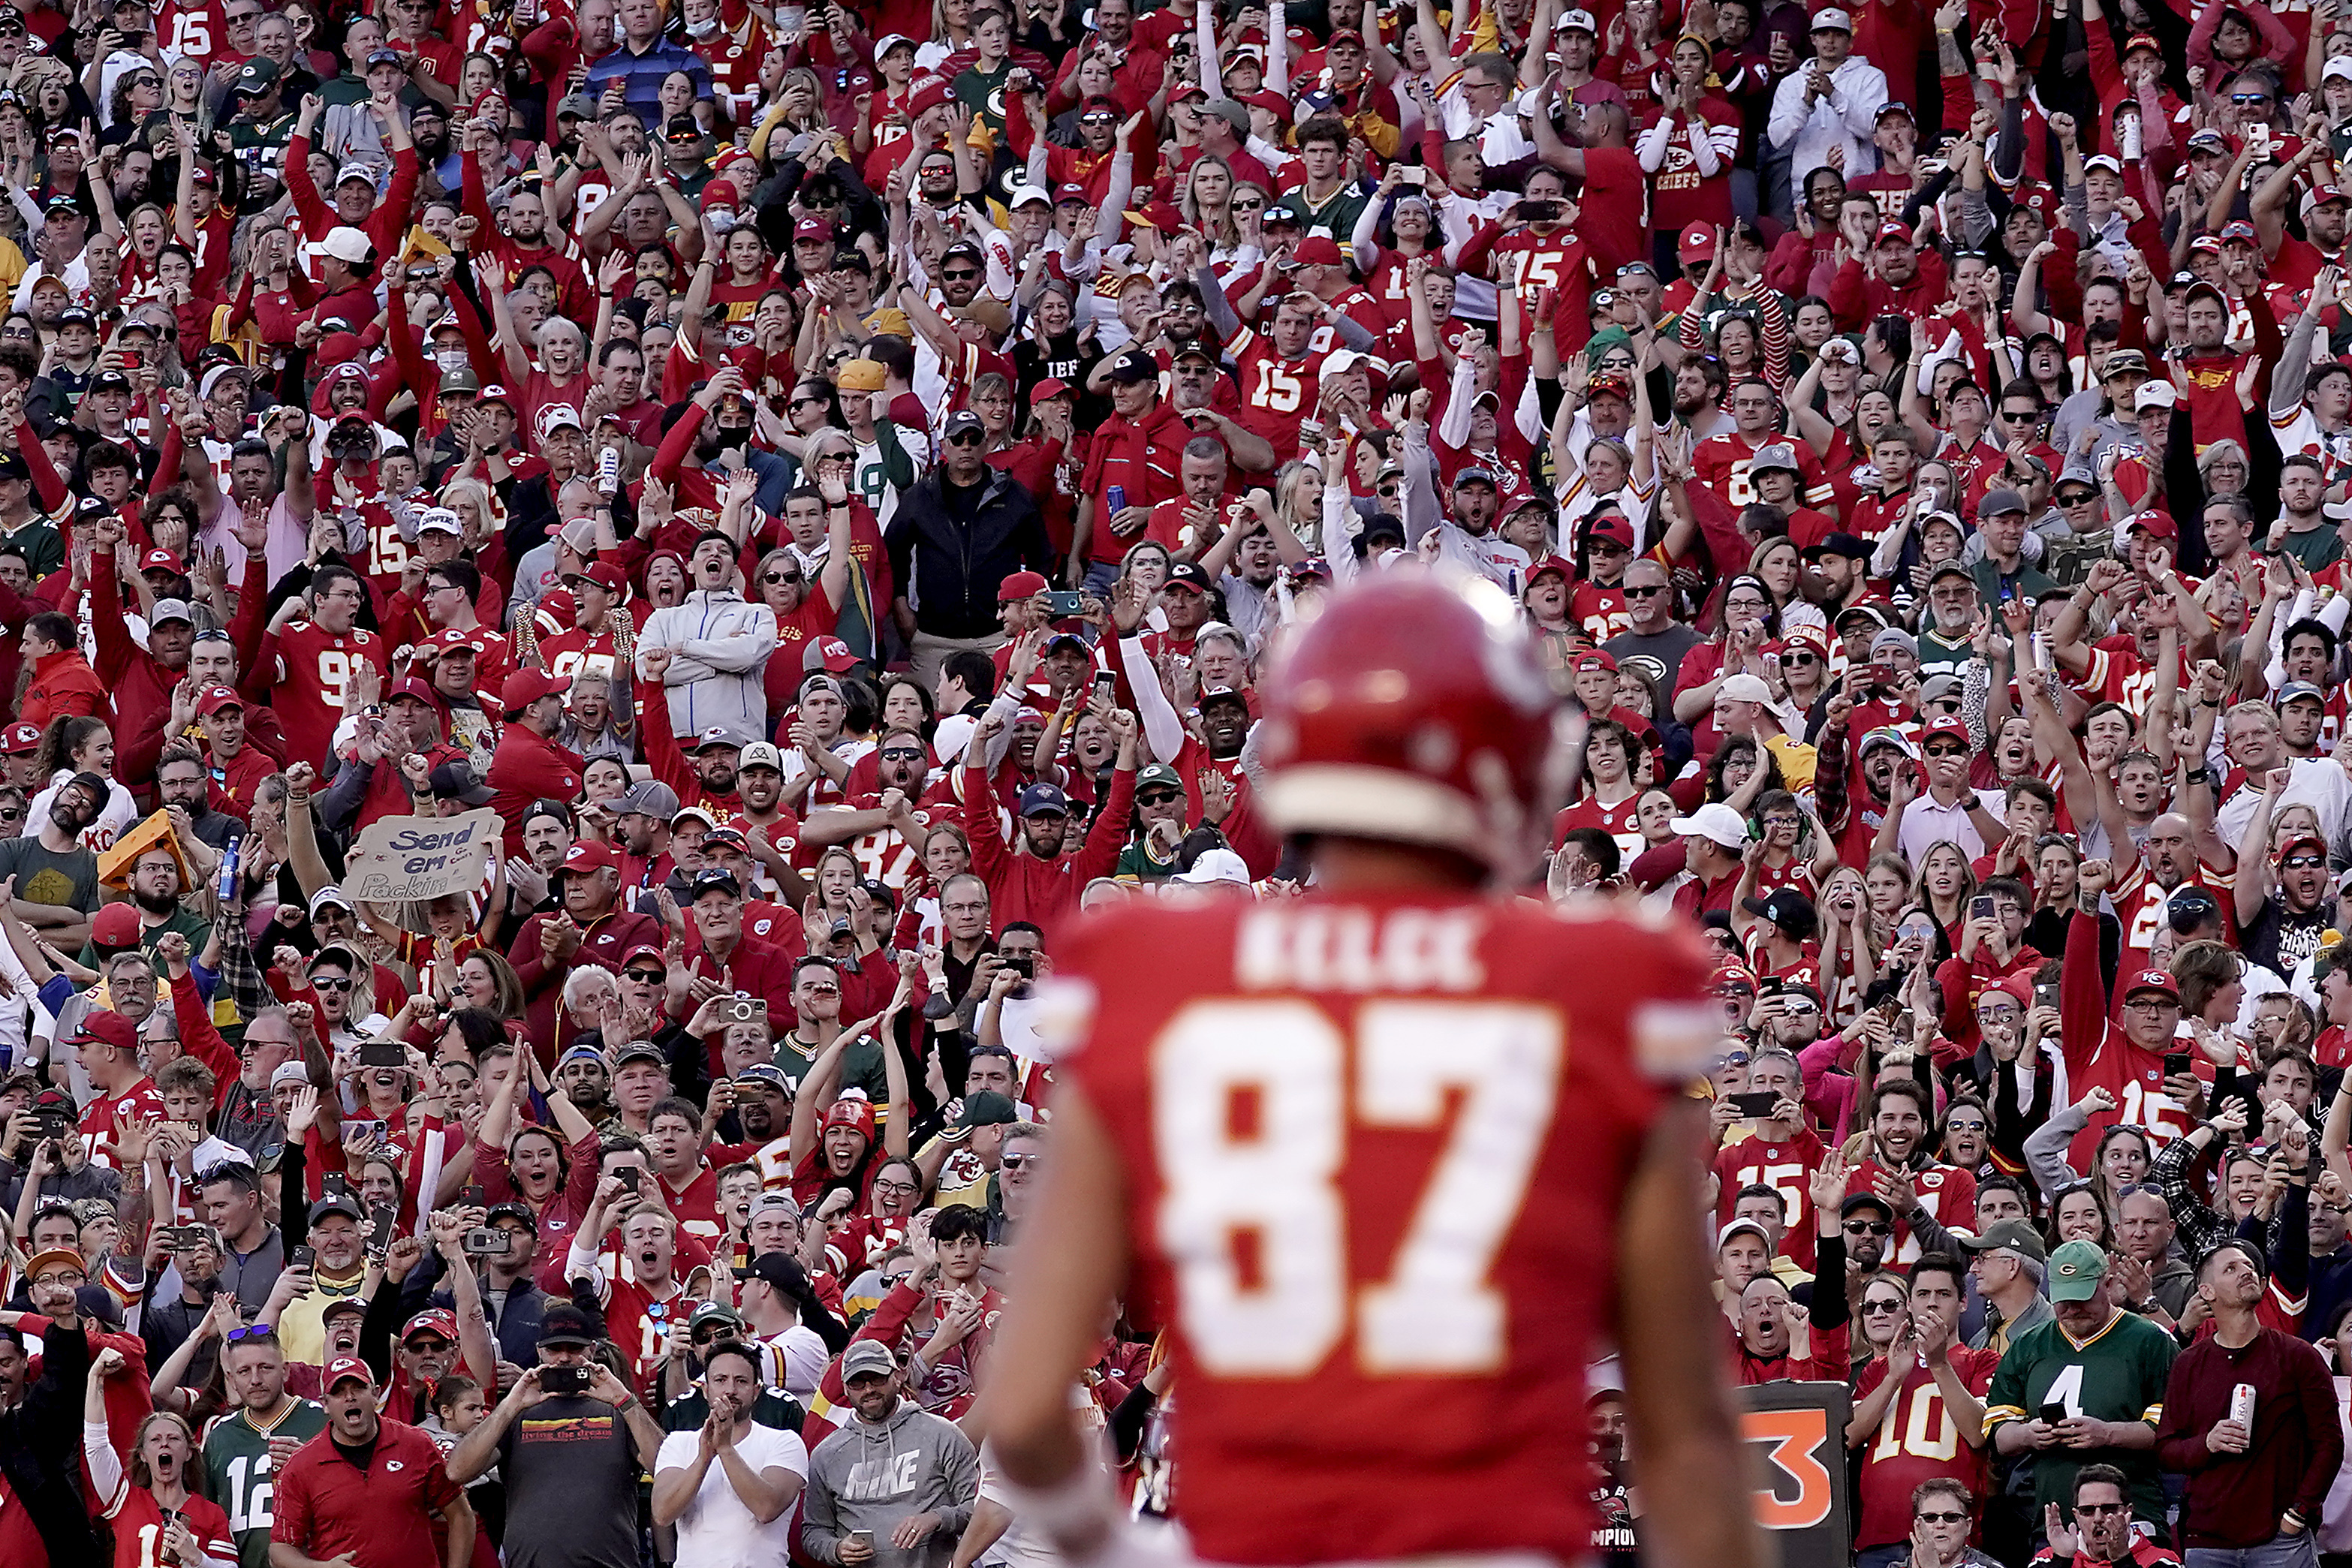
[151,904]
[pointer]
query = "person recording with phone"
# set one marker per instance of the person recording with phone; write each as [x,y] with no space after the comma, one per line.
[571,1470]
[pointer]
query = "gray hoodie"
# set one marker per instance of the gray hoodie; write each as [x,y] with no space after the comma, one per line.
[869,1477]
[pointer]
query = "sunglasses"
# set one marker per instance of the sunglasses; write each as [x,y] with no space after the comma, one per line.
[1946,750]
[1794,659]
[250,1333]
[808,403]
[1868,1227]
[2097,1510]
[1881,1306]
[1156,797]
[1652,592]
[2079,499]
[781,577]
[902,754]
[961,275]
[1941,1515]
[645,977]
[1249,206]
[1957,1126]
[969,438]
[2249,97]
[329,983]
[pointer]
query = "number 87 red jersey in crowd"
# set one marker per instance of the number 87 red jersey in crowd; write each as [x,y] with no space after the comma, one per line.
[1375,1154]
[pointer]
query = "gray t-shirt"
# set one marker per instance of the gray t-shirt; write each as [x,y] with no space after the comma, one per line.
[571,1471]
[44,876]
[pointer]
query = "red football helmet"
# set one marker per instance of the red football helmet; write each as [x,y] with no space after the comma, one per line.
[1411,711]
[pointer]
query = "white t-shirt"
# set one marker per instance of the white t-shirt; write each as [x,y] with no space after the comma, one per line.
[716,1531]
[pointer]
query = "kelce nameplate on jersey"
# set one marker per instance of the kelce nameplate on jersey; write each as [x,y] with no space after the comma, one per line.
[1342,949]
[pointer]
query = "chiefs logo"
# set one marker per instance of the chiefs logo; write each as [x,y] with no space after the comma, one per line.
[1931,1178]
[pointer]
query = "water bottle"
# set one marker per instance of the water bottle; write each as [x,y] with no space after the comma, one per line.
[226,891]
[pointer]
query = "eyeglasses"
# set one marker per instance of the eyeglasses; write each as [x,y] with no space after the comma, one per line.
[893,1187]
[1941,1515]
[1868,1227]
[329,983]
[2153,1006]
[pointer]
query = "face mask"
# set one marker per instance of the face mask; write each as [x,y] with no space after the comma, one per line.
[703,28]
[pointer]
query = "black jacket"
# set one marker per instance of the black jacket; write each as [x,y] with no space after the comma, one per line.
[948,571]
[40,1450]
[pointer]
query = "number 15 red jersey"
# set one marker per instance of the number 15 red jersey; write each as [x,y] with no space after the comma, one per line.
[1375,1153]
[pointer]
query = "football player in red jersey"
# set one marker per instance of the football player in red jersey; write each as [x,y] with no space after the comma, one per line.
[1422,1247]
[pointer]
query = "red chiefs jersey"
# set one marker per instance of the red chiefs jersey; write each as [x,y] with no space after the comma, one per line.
[2140,904]
[1721,463]
[140,1102]
[1418,1245]
[639,1323]
[1277,393]
[306,689]
[138,1526]
[696,1205]
[1600,609]
[582,655]
[1788,1169]
[1917,1441]
[1946,1193]
[1618,821]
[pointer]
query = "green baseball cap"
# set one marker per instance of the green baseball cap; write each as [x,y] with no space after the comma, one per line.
[2007,1236]
[1157,774]
[2076,1271]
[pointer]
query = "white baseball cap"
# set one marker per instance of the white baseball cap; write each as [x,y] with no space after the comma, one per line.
[1714,820]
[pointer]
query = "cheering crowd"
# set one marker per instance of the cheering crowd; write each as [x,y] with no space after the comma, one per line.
[821,489]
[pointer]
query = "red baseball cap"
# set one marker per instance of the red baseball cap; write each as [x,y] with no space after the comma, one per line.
[160,559]
[836,655]
[110,1028]
[589,855]
[115,925]
[525,687]
[1070,190]
[215,699]
[811,228]
[1550,563]
[1697,243]
[604,575]
[1052,386]
[642,950]
[2158,523]
[1890,232]
[1321,250]
[22,736]
[1020,585]
[344,1366]
[412,687]
[1610,526]
[1592,659]
[433,1320]
[2153,980]
[1944,726]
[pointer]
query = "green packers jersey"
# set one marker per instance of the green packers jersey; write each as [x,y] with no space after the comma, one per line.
[2117,1375]
[237,1456]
